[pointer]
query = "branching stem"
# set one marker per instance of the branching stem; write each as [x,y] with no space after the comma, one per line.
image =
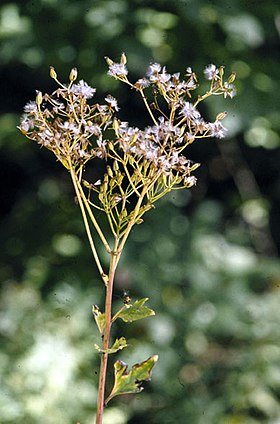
[93,220]
[87,228]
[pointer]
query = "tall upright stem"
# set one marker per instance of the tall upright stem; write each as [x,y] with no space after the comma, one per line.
[106,336]
[114,259]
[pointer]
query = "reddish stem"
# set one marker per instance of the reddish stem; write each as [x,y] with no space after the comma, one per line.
[106,338]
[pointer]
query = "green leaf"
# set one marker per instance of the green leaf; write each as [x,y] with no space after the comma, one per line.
[130,382]
[99,318]
[135,311]
[119,344]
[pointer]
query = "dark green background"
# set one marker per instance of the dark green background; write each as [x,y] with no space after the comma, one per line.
[206,258]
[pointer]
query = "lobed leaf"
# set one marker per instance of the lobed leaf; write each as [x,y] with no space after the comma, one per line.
[130,382]
[119,344]
[99,318]
[135,311]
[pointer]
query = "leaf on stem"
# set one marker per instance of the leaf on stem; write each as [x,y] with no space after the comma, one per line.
[119,344]
[99,318]
[130,382]
[135,311]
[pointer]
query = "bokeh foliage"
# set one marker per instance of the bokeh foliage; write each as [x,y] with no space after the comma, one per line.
[207,259]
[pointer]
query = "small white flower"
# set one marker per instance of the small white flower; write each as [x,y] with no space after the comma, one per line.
[176,76]
[83,154]
[191,84]
[83,89]
[216,129]
[211,72]
[69,126]
[189,71]
[112,102]
[101,151]
[93,129]
[153,69]
[26,124]
[164,76]
[190,181]
[230,90]
[31,107]
[142,83]
[189,111]
[117,70]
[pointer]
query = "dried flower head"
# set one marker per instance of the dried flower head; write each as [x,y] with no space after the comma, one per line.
[145,163]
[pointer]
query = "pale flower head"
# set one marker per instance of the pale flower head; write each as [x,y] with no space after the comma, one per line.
[211,72]
[117,70]
[112,102]
[83,89]
[189,111]
[216,129]
[229,90]
[31,107]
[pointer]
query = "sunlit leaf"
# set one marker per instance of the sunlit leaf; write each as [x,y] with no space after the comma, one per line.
[130,381]
[99,318]
[135,311]
[119,344]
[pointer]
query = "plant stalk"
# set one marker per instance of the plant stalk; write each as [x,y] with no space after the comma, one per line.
[106,336]
[92,245]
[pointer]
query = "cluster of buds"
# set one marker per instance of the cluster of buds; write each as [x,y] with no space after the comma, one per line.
[140,163]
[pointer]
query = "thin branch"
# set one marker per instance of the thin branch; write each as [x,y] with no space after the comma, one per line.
[93,220]
[93,248]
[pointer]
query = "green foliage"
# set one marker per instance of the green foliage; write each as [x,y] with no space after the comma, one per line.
[130,382]
[99,318]
[135,311]
[118,344]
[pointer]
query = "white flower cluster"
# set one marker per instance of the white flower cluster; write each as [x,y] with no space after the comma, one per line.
[76,131]
[66,124]
[148,145]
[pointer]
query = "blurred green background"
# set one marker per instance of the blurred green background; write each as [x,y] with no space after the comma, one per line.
[206,258]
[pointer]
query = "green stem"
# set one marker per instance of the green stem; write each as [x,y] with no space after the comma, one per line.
[148,107]
[93,249]
[132,222]
[93,220]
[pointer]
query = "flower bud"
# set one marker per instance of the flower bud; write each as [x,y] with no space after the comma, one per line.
[110,172]
[73,74]
[119,177]
[105,184]
[221,116]
[115,165]
[53,74]
[123,59]
[109,61]
[110,145]
[182,131]
[116,126]
[221,71]
[101,196]
[232,78]
[39,98]
[86,184]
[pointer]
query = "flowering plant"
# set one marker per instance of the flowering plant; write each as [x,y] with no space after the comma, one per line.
[139,167]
